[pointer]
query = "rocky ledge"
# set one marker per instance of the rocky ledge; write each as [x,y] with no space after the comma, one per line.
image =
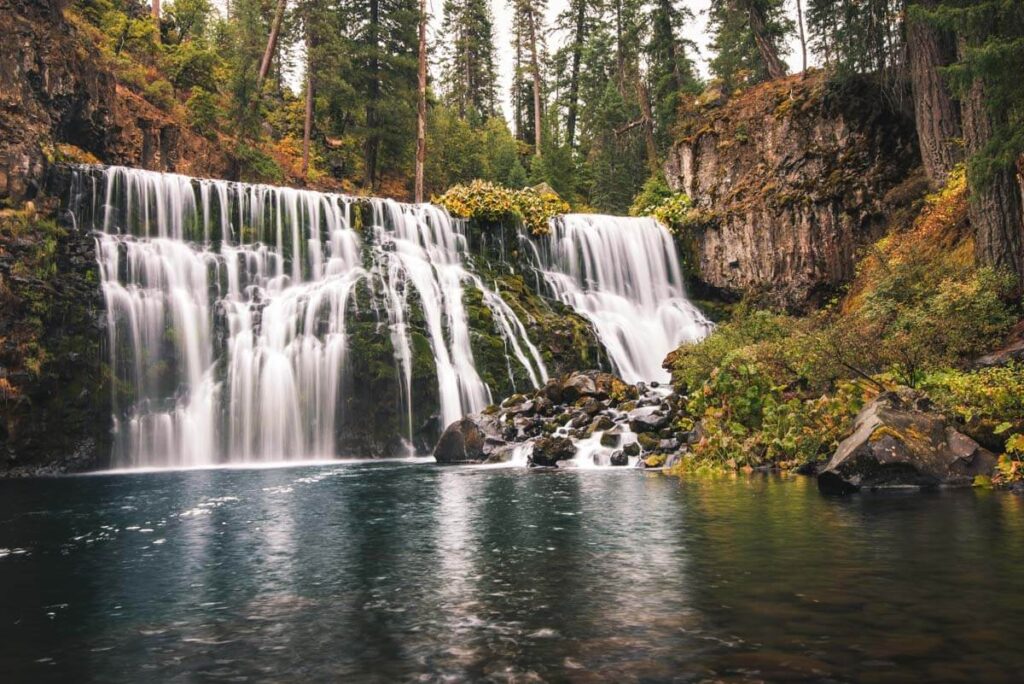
[581,418]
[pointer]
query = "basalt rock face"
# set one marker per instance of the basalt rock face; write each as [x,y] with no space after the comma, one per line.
[54,397]
[55,89]
[899,442]
[789,180]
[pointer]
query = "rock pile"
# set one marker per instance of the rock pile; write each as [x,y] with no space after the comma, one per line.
[581,418]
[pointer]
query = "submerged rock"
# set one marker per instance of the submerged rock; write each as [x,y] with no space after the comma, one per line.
[898,442]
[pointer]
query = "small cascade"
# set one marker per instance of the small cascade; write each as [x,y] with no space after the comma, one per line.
[227,306]
[623,275]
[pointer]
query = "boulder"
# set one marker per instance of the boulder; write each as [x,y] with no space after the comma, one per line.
[473,439]
[548,451]
[601,423]
[631,449]
[597,384]
[611,438]
[643,421]
[897,442]
[619,459]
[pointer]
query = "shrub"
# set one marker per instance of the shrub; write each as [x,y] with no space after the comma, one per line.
[488,202]
[203,111]
[160,93]
[995,394]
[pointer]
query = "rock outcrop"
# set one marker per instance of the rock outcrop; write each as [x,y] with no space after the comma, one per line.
[789,179]
[899,442]
[54,396]
[55,88]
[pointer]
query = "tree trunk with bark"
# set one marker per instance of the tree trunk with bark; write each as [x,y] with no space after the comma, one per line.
[268,53]
[421,105]
[535,68]
[574,78]
[765,44]
[939,129]
[996,210]
[307,127]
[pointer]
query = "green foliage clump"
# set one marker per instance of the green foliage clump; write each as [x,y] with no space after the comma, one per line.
[491,203]
[203,111]
[995,394]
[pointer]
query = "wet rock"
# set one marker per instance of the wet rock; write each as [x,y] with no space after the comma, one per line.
[648,422]
[619,458]
[590,405]
[648,442]
[668,445]
[544,406]
[653,461]
[470,440]
[580,420]
[602,423]
[631,449]
[897,444]
[611,438]
[548,451]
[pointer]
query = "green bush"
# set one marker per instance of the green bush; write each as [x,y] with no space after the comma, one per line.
[203,111]
[995,394]
[488,202]
[159,93]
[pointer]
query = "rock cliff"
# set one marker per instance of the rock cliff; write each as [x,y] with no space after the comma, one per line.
[55,89]
[789,179]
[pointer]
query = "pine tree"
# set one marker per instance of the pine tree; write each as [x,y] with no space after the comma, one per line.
[469,76]
[671,72]
[748,38]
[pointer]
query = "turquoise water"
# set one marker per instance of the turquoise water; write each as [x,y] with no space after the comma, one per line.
[403,571]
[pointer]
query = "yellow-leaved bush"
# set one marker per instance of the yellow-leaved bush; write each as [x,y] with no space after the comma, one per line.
[492,203]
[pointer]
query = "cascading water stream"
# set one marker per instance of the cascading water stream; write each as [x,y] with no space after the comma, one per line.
[227,306]
[623,275]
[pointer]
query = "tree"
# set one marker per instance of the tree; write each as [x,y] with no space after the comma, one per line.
[990,50]
[746,38]
[939,131]
[671,72]
[421,104]
[469,76]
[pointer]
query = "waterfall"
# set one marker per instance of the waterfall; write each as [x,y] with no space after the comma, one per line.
[227,305]
[623,275]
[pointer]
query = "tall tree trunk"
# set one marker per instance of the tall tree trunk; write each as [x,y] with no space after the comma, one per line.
[643,96]
[996,210]
[535,67]
[936,112]
[268,53]
[574,78]
[307,127]
[517,99]
[372,145]
[155,10]
[421,105]
[765,44]
[803,38]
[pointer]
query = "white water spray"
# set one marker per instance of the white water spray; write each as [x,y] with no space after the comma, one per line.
[623,275]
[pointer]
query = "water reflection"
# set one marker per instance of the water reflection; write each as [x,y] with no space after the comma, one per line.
[397,571]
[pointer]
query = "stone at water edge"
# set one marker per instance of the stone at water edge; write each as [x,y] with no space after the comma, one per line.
[897,442]
[548,451]
[474,439]
[619,458]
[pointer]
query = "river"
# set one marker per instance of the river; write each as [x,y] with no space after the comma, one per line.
[392,571]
